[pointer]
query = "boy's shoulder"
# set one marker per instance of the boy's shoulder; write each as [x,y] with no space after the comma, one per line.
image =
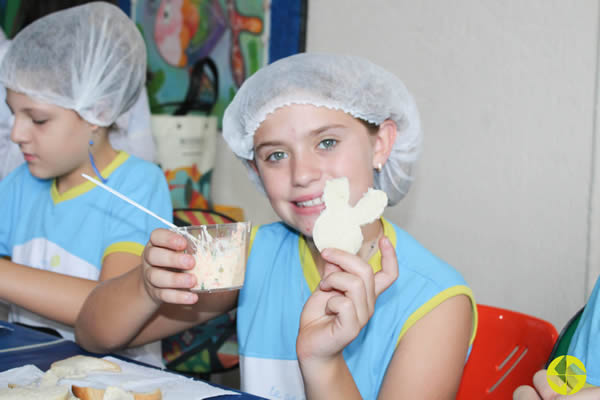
[132,162]
[129,167]
[22,178]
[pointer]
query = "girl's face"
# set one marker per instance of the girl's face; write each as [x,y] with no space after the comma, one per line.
[299,147]
[54,140]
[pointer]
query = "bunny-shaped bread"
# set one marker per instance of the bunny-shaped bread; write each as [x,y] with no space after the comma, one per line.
[339,224]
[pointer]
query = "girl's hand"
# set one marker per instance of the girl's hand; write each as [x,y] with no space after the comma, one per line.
[163,266]
[343,303]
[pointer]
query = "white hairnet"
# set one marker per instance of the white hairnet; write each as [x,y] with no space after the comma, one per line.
[348,83]
[89,58]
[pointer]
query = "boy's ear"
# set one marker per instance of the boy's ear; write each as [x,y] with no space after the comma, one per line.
[385,138]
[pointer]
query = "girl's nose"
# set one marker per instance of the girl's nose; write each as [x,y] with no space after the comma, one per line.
[305,169]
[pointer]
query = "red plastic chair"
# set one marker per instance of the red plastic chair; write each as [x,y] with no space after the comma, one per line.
[509,348]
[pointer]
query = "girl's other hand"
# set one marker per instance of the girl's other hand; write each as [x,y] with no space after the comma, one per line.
[163,266]
[343,303]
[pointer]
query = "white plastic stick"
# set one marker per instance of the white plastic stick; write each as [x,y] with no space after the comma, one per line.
[127,199]
[173,227]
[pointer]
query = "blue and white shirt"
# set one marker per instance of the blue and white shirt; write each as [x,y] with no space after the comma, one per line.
[71,232]
[281,275]
[585,344]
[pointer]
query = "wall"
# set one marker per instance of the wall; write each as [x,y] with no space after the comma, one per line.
[507,94]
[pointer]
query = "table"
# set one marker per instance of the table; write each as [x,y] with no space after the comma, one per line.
[20,346]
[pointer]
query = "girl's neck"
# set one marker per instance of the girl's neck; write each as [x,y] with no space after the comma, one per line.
[372,233]
[103,154]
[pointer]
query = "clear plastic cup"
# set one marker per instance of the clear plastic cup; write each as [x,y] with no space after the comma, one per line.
[221,251]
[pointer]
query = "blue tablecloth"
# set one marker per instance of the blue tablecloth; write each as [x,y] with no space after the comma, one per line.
[21,346]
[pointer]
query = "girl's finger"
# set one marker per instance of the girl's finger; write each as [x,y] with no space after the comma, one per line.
[344,310]
[353,265]
[168,239]
[354,289]
[329,269]
[389,266]
[162,257]
[177,296]
[348,262]
[162,278]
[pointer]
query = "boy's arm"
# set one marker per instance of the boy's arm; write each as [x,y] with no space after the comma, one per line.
[54,296]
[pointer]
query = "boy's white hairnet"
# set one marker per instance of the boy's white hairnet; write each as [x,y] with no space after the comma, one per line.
[348,83]
[90,59]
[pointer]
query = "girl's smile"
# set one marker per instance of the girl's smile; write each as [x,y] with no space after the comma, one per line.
[308,205]
[300,147]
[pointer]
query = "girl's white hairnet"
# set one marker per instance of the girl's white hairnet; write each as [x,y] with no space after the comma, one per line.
[89,58]
[348,83]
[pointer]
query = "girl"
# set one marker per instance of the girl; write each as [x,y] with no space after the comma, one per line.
[69,76]
[392,321]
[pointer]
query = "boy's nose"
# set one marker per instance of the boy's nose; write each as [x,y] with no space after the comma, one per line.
[18,134]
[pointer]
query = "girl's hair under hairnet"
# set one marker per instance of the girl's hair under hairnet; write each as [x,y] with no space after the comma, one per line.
[89,58]
[348,83]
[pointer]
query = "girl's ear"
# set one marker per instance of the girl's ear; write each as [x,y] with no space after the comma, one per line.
[252,165]
[385,138]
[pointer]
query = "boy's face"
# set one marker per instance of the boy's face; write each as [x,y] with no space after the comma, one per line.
[54,140]
[299,147]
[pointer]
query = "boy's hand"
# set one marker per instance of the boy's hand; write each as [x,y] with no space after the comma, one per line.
[163,269]
[343,303]
[543,391]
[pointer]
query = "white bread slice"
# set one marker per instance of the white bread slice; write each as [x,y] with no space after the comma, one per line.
[79,366]
[113,393]
[338,225]
[35,393]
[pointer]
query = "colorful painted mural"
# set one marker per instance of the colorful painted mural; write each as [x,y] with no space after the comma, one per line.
[180,33]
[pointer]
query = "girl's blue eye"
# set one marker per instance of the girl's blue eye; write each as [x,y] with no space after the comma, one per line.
[276,156]
[327,143]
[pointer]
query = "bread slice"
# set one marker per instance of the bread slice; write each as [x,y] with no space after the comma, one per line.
[80,366]
[113,393]
[35,393]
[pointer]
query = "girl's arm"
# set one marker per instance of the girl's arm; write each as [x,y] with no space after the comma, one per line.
[430,357]
[334,315]
[428,361]
[149,302]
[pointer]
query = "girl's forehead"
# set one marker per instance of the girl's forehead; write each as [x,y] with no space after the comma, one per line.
[305,117]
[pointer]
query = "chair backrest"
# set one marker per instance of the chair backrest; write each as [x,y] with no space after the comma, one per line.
[508,349]
[199,216]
